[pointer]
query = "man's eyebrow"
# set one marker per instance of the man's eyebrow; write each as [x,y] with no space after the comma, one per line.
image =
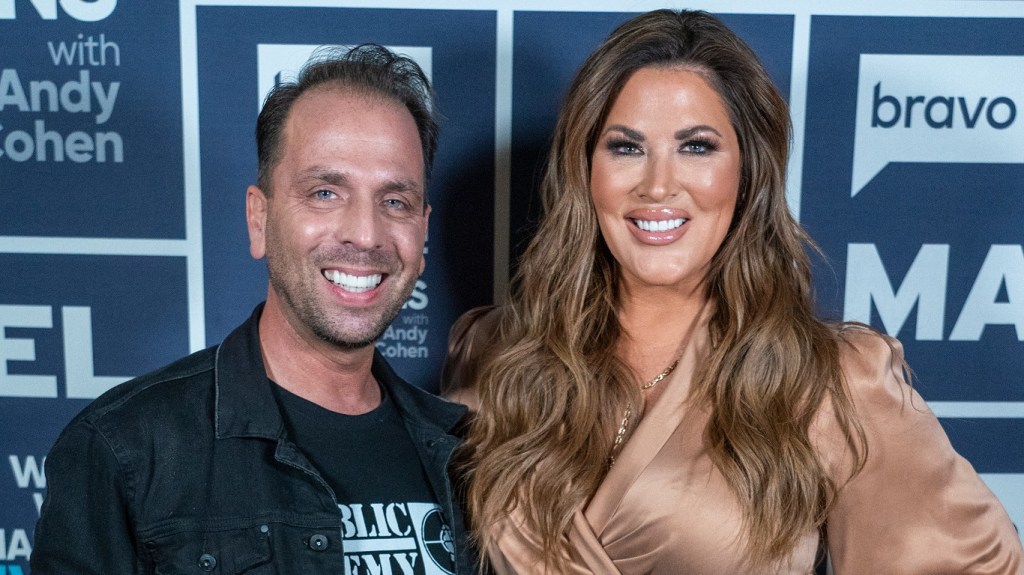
[403,186]
[333,177]
[324,175]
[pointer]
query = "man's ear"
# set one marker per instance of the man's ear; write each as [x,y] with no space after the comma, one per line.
[256,221]
[426,229]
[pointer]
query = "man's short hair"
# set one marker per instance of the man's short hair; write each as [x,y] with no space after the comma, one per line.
[369,68]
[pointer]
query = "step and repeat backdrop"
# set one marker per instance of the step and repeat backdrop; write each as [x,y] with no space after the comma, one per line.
[126,145]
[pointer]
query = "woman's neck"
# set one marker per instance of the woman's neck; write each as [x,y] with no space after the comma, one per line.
[657,325]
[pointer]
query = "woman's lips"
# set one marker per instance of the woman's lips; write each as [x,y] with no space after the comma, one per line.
[657,227]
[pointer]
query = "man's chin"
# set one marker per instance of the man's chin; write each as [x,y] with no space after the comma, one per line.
[352,341]
[349,345]
[351,329]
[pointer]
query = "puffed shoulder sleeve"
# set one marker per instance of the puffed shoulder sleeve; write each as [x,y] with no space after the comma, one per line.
[917,506]
[469,338]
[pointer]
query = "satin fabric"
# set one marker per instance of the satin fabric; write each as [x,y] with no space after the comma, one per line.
[917,507]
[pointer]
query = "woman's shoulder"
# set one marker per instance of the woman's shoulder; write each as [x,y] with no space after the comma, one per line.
[880,401]
[469,339]
[877,396]
[873,366]
[884,518]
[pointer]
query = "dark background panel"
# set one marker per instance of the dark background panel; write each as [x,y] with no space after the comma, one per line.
[967,207]
[139,321]
[139,197]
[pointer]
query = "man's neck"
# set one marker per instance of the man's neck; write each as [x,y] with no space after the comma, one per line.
[333,378]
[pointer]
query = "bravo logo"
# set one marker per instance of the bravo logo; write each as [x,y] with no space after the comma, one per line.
[944,109]
[81,10]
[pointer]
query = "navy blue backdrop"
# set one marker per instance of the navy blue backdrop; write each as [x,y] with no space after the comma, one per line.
[126,144]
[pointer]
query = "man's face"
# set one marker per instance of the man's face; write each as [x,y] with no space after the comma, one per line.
[344,225]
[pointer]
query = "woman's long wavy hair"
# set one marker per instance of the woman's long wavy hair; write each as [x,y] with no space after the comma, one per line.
[552,391]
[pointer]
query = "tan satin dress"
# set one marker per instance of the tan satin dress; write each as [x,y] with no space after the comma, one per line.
[916,508]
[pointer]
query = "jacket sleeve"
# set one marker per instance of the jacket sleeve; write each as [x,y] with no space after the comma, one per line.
[84,526]
[917,506]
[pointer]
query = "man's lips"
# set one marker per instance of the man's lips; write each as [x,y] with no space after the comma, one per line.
[353,283]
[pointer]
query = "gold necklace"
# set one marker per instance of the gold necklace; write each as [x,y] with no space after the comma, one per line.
[620,435]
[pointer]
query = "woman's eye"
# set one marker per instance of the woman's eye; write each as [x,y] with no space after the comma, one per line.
[699,146]
[624,147]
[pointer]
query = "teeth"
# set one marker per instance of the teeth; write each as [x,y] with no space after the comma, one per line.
[659,225]
[355,284]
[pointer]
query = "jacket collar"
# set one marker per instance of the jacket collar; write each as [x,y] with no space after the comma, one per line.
[416,405]
[246,406]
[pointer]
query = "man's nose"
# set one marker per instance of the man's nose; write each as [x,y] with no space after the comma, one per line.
[359,224]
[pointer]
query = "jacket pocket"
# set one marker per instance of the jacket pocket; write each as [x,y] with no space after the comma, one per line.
[215,551]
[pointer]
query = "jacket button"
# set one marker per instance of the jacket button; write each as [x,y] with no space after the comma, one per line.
[318,542]
[207,562]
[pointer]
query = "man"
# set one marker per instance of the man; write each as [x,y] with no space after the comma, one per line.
[291,447]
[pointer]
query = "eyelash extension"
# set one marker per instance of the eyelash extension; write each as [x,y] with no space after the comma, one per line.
[615,145]
[708,144]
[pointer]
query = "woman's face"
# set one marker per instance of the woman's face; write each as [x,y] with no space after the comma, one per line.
[664,178]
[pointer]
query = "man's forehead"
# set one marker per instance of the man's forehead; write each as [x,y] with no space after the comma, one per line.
[347,96]
[349,115]
[343,110]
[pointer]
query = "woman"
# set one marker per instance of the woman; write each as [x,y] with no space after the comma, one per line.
[658,396]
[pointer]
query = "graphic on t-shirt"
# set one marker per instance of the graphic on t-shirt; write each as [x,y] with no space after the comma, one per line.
[438,541]
[396,538]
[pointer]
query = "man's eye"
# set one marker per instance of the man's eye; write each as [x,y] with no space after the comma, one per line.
[323,194]
[395,203]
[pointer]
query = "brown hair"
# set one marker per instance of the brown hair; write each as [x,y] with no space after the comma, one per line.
[553,390]
[369,68]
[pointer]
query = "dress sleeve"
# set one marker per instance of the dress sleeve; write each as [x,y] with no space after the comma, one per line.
[469,338]
[917,506]
[84,526]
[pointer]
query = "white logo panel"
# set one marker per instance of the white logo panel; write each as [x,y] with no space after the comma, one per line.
[945,109]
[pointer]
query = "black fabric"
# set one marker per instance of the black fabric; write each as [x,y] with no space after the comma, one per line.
[192,462]
[364,458]
[391,520]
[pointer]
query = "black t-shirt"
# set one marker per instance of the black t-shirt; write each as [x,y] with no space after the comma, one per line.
[389,513]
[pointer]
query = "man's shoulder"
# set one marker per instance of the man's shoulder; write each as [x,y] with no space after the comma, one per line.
[163,388]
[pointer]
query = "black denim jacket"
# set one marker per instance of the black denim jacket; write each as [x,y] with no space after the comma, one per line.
[189,470]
